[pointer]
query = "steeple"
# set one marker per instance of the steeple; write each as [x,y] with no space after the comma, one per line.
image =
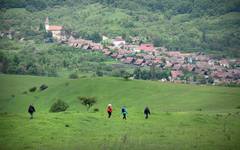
[47,24]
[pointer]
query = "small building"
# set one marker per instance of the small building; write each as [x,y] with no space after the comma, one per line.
[146,48]
[57,31]
[176,74]
[118,42]
[128,60]
[224,63]
[139,62]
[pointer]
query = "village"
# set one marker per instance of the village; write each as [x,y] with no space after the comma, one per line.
[183,67]
[215,70]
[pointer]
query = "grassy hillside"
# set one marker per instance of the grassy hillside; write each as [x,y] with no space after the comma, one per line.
[135,94]
[176,121]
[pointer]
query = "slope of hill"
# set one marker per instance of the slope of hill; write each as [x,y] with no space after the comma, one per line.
[183,116]
[135,94]
[183,25]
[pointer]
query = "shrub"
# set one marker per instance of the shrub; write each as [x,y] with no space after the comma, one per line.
[83,77]
[200,109]
[67,84]
[126,76]
[33,89]
[25,92]
[99,73]
[88,101]
[95,110]
[73,76]
[59,106]
[43,87]
[238,107]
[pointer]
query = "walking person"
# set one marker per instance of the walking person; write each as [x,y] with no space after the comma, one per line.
[31,110]
[124,112]
[146,112]
[109,110]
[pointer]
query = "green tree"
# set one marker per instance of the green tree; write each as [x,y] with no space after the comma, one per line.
[88,101]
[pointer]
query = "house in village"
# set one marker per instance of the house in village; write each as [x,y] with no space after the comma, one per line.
[139,62]
[175,54]
[104,38]
[149,48]
[176,74]
[224,63]
[57,31]
[118,42]
[128,60]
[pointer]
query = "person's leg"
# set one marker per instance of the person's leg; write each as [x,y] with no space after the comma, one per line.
[146,116]
[124,116]
[109,114]
[31,117]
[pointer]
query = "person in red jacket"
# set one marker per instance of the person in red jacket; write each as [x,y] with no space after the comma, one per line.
[109,110]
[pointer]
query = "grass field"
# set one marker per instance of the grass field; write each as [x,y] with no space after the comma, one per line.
[183,116]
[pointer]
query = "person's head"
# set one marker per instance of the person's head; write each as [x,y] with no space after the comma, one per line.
[109,105]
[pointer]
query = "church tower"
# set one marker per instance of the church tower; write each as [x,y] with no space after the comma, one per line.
[47,24]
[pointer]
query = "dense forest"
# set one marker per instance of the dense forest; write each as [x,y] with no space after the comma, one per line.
[190,25]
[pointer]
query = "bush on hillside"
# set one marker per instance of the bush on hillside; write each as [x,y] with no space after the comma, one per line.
[95,110]
[67,84]
[88,101]
[25,92]
[43,87]
[99,73]
[59,106]
[33,89]
[73,76]
[126,76]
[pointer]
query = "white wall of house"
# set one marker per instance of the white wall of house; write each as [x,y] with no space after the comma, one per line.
[118,43]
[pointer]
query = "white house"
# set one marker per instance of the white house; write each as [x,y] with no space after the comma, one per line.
[118,42]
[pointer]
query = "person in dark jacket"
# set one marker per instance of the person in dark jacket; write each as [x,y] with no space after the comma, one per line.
[146,112]
[124,112]
[31,110]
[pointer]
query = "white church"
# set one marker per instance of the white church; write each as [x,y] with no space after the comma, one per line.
[57,31]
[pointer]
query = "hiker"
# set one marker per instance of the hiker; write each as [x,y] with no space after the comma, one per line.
[109,110]
[124,112]
[31,110]
[146,112]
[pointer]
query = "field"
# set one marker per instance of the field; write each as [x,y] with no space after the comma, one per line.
[183,116]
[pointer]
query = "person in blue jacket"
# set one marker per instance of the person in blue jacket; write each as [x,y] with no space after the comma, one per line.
[124,112]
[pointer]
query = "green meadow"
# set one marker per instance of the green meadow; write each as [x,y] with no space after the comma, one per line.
[182,116]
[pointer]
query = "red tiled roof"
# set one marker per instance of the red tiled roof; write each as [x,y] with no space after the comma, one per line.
[173,53]
[139,61]
[176,74]
[55,28]
[146,47]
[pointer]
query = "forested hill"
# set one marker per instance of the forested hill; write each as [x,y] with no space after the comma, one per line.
[176,24]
